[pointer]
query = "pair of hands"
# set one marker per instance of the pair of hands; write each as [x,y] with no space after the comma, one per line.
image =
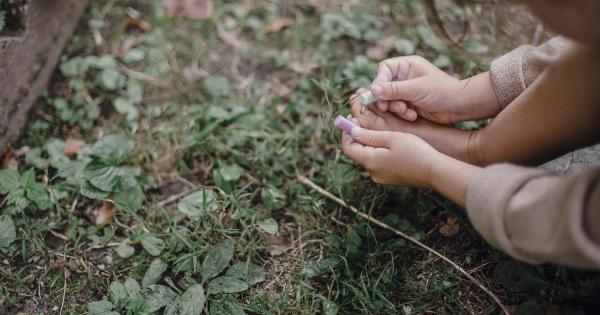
[416,101]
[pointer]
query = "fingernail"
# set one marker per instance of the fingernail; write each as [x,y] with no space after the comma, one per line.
[356,132]
[377,90]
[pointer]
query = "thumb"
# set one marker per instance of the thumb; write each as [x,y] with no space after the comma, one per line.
[372,138]
[407,90]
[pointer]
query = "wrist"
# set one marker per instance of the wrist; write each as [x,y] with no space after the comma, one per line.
[477,98]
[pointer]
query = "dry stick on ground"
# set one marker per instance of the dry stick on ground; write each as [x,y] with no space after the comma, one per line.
[331,196]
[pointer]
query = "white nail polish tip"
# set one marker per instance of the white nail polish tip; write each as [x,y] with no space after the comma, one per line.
[367,98]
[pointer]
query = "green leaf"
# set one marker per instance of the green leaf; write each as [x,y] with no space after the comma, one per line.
[154,272]
[37,194]
[110,79]
[519,277]
[217,86]
[216,260]
[226,285]
[132,286]
[74,67]
[157,296]
[330,308]
[191,302]
[8,233]
[106,177]
[113,147]
[100,308]
[125,106]
[273,198]
[226,176]
[124,250]
[269,225]
[228,306]
[316,268]
[248,272]
[130,199]
[9,181]
[152,244]
[117,294]
[134,55]
[88,190]
[198,203]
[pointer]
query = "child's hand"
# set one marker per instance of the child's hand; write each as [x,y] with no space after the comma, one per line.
[392,157]
[410,85]
[451,141]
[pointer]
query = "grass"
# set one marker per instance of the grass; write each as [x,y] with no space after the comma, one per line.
[195,132]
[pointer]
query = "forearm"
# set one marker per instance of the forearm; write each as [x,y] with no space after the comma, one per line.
[477,98]
[452,178]
[556,114]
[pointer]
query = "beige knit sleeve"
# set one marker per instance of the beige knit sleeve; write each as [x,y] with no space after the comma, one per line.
[537,216]
[512,73]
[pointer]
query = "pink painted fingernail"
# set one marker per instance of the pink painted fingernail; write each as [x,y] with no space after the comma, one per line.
[344,124]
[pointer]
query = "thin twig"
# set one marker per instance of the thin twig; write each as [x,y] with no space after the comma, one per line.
[329,195]
[62,304]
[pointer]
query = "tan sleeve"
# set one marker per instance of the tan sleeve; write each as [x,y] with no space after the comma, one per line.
[512,73]
[537,216]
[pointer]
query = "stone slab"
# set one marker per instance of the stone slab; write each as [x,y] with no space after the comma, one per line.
[30,46]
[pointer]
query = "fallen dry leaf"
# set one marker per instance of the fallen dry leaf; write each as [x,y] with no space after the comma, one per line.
[10,160]
[72,147]
[191,9]
[451,227]
[103,216]
[142,25]
[279,244]
[278,24]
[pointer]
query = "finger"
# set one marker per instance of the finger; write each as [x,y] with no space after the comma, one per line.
[407,90]
[360,153]
[372,138]
[398,107]
[382,105]
[410,115]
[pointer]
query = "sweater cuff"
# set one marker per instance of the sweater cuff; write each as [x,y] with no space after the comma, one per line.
[507,75]
[487,201]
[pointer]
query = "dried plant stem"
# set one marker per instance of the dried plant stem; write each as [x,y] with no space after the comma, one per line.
[341,202]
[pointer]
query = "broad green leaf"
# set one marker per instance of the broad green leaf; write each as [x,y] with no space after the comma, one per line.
[9,181]
[35,159]
[154,272]
[216,260]
[330,308]
[248,272]
[37,194]
[273,198]
[316,268]
[228,306]
[132,286]
[217,86]
[113,147]
[124,250]
[8,233]
[88,190]
[117,294]
[134,55]
[100,308]
[130,199]
[198,203]
[152,244]
[74,67]
[519,277]
[106,177]
[126,107]
[110,79]
[226,176]
[191,302]
[158,296]
[269,225]
[226,285]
